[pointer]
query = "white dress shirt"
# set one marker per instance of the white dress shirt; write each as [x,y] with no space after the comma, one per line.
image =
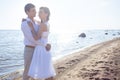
[28,37]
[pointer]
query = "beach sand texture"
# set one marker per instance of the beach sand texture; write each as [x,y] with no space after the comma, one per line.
[98,62]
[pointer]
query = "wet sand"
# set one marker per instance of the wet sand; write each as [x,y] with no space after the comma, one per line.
[98,62]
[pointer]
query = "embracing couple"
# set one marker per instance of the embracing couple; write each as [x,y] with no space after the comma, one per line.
[37,55]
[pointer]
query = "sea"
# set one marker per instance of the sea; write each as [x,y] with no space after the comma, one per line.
[12,47]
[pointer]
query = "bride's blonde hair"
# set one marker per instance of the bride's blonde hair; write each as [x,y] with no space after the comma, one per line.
[46,10]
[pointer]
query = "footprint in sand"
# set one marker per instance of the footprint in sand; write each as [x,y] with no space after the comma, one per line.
[61,68]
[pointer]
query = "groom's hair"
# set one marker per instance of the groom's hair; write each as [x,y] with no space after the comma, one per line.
[28,7]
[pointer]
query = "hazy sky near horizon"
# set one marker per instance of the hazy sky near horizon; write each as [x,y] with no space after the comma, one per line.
[66,15]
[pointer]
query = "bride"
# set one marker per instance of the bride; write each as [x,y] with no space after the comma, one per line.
[41,65]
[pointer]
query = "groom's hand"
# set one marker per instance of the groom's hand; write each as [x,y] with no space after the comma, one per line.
[48,47]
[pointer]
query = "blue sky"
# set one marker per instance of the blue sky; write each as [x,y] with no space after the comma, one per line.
[66,15]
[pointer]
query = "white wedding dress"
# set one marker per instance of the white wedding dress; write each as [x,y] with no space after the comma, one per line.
[41,65]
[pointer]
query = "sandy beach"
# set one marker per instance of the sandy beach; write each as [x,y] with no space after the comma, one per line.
[97,62]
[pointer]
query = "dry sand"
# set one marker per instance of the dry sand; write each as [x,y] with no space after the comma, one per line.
[98,62]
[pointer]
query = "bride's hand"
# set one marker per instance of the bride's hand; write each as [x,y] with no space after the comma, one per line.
[23,19]
[28,22]
[48,47]
[30,25]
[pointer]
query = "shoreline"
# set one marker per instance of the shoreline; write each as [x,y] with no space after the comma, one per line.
[77,50]
[64,64]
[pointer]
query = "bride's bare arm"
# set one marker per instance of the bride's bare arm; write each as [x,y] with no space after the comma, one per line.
[34,33]
[37,35]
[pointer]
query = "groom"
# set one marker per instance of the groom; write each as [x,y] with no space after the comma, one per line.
[29,38]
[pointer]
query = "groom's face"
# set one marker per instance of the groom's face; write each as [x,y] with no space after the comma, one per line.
[31,12]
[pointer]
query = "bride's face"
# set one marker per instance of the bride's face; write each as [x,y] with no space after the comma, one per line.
[42,14]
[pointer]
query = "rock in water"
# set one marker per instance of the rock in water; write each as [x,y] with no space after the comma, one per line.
[106,33]
[83,35]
